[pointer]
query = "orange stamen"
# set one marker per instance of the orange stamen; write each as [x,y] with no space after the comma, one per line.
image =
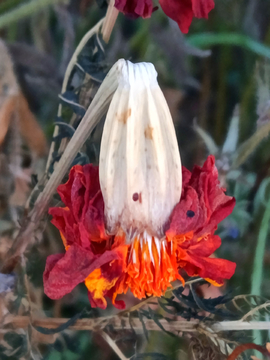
[152,266]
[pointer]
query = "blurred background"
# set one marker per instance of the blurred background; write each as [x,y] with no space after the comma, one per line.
[216,80]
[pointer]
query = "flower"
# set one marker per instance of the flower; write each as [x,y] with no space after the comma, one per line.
[109,265]
[124,225]
[181,11]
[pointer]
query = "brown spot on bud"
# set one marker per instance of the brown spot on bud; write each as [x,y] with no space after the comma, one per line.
[148,132]
[124,116]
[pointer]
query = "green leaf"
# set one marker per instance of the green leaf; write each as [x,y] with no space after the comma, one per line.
[25,10]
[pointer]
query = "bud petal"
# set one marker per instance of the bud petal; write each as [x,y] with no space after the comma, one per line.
[140,167]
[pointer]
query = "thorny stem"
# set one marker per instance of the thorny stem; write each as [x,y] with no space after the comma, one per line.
[107,24]
[70,67]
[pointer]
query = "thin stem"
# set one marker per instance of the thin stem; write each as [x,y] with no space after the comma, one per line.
[257,274]
[110,20]
[113,345]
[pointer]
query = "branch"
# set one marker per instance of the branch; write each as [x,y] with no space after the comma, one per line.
[120,323]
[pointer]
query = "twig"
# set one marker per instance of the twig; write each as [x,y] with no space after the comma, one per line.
[113,345]
[98,324]
[120,323]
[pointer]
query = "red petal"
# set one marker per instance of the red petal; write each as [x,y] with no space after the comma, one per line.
[180,222]
[105,281]
[81,187]
[201,8]
[202,195]
[96,303]
[135,8]
[65,223]
[207,268]
[64,272]
[204,247]
[186,175]
[180,11]
[82,221]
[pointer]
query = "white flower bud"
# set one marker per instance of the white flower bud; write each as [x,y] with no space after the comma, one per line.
[140,168]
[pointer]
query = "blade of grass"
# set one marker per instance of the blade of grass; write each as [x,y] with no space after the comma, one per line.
[25,10]
[209,39]
[257,273]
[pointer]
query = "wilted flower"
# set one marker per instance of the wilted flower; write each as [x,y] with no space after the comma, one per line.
[181,11]
[124,225]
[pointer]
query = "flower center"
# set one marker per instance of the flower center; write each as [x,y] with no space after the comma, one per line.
[151,266]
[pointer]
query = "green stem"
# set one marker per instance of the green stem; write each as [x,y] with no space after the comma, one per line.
[257,274]
[209,39]
[24,11]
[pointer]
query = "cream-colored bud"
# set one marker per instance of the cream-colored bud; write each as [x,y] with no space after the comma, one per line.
[140,168]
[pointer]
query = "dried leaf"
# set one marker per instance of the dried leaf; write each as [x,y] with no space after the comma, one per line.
[231,141]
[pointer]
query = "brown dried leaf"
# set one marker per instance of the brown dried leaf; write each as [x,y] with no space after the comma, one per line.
[30,129]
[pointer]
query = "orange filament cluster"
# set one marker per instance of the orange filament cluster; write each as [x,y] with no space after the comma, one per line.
[151,267]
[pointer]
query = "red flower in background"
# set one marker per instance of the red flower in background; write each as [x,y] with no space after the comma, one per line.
[110,265]
[135,8]
[181,11]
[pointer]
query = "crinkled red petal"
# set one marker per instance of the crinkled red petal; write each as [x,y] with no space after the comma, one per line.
[195,260]
[105,281]
[204,247]
[63,272]
[211,269]
[203,196]
[82,220]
